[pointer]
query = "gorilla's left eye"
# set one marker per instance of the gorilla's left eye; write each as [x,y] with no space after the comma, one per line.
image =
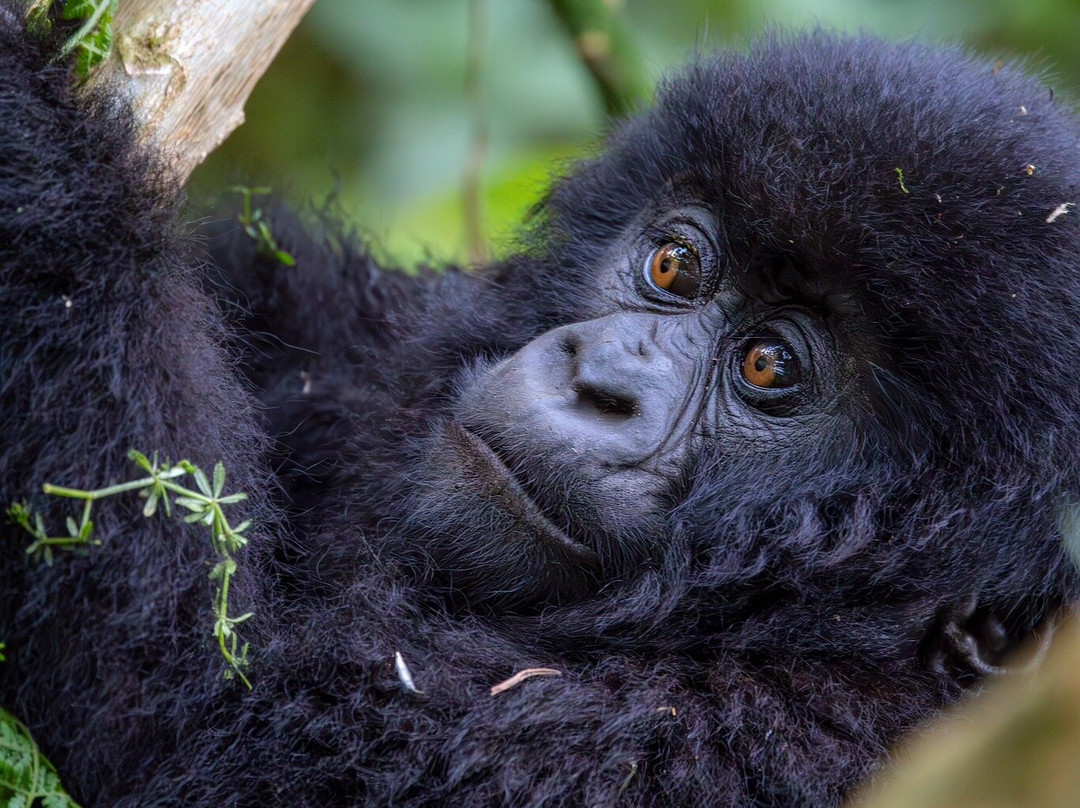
[676,269]
[770,364]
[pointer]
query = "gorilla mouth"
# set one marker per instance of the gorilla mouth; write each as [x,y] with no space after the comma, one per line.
[500,483]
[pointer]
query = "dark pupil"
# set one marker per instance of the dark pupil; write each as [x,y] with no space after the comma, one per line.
[761,363]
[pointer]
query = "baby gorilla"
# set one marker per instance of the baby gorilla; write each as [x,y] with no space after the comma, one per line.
[762,444]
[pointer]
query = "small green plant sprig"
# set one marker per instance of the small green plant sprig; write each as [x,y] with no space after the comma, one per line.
[204,506]
[27,778]
[251,219]
[92,42]
[900,178]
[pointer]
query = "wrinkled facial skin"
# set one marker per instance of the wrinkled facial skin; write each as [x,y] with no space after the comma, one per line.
[575,447]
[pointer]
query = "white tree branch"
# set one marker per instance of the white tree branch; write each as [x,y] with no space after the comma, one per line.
[188,66]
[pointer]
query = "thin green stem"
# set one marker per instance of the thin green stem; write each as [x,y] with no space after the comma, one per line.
[119,488]
[204,506]
[62,541]
[224,621]
[100,10]
[607,50]
[184,492]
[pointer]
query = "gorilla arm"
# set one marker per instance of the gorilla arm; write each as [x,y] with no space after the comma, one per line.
[106,344]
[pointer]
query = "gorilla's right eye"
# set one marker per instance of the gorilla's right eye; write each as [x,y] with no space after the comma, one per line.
[676,269]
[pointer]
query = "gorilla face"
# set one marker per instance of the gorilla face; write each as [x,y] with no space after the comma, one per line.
[576,446]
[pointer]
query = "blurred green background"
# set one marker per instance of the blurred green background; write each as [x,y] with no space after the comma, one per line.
[367,104]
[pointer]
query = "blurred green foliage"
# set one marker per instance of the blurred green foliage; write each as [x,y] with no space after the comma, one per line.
[366,104]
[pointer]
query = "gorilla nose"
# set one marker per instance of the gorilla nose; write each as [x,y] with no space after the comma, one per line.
[608,370]
[604,375]
[606,393]
[605,400]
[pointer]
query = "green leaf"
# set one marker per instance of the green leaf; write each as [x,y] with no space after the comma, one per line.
[37,16]
[219,478]
[202,481]
[240,496]
[141,460]
[93,41]
[25,775]
[18,514]
[150,508]
[79,9]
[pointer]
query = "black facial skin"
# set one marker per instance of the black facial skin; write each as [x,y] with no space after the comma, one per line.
[753,445]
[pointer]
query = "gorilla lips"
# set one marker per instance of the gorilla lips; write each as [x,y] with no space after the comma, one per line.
[480,461]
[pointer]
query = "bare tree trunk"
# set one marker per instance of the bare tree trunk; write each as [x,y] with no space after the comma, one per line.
[188,66]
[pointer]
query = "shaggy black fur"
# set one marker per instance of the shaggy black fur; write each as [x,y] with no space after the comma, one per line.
[778,614]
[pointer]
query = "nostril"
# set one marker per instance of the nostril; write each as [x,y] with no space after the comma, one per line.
[605,402]
[570,344]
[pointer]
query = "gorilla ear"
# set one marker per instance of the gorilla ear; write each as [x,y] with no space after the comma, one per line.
[973,640]
[967,640]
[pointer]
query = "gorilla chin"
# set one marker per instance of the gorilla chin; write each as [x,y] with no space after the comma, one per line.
[488,538]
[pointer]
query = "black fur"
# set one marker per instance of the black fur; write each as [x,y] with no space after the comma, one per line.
[779,625]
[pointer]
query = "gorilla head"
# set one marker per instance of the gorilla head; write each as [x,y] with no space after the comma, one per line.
[762,442]
[797,343]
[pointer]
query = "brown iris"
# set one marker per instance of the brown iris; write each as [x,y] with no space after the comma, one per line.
[770,364]
[675,268]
